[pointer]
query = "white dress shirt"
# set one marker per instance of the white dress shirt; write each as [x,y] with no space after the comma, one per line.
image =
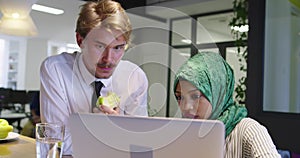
[66,89]
[249,139]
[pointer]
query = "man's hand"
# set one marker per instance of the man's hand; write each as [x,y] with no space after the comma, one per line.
[107,110]
[111,100]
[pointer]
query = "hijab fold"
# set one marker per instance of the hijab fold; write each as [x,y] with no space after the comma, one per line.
[213,76]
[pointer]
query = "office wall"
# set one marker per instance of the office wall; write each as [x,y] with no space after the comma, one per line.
[150,51]
[36,53]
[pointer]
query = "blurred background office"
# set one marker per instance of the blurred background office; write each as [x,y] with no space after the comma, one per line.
[165,34]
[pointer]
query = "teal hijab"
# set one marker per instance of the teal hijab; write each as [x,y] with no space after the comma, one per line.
[213,76]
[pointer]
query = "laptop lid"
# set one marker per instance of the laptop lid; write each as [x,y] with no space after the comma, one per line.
[97,135]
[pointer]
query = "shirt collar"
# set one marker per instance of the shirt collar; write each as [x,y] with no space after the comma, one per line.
[105,82]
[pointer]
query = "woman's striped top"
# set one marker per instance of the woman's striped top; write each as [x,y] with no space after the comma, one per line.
[249,139]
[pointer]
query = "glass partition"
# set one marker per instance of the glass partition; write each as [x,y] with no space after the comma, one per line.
[282,57]
[217,27]
[181,31]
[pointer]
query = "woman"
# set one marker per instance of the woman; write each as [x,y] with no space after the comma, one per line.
[204,88]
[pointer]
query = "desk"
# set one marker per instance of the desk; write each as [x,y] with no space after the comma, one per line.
[23,147]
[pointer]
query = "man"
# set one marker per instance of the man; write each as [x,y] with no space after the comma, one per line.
[67,80]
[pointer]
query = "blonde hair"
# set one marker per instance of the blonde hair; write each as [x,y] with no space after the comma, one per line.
[104,13]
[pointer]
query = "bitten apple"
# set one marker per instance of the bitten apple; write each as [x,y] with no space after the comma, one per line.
[111,100]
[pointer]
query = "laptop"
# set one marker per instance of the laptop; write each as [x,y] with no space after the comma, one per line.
[111,136]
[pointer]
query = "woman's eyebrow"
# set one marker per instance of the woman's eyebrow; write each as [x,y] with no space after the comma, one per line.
[193,90]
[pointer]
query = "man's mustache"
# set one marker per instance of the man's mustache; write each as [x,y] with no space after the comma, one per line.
[105,65]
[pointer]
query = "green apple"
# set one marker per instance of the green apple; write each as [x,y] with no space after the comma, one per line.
[111,100]
[5,128]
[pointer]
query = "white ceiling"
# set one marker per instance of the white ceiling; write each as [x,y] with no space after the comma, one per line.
[61,27]
[191,7]
[57,27]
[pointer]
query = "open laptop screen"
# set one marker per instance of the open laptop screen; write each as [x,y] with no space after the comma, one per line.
[97,135]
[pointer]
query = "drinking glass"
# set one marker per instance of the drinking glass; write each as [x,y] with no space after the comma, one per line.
[49,140]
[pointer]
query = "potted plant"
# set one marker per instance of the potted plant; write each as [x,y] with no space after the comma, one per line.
[239,20]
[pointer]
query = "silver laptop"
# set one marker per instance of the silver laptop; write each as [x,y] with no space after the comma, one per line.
[108,136]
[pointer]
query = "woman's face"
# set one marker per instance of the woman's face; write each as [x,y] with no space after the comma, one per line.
[192,103]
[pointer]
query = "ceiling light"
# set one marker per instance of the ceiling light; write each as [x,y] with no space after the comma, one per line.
[185,54]
[15,15]
[18,26]
[243,28]
[186,41]
[46,9]
[15,18]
